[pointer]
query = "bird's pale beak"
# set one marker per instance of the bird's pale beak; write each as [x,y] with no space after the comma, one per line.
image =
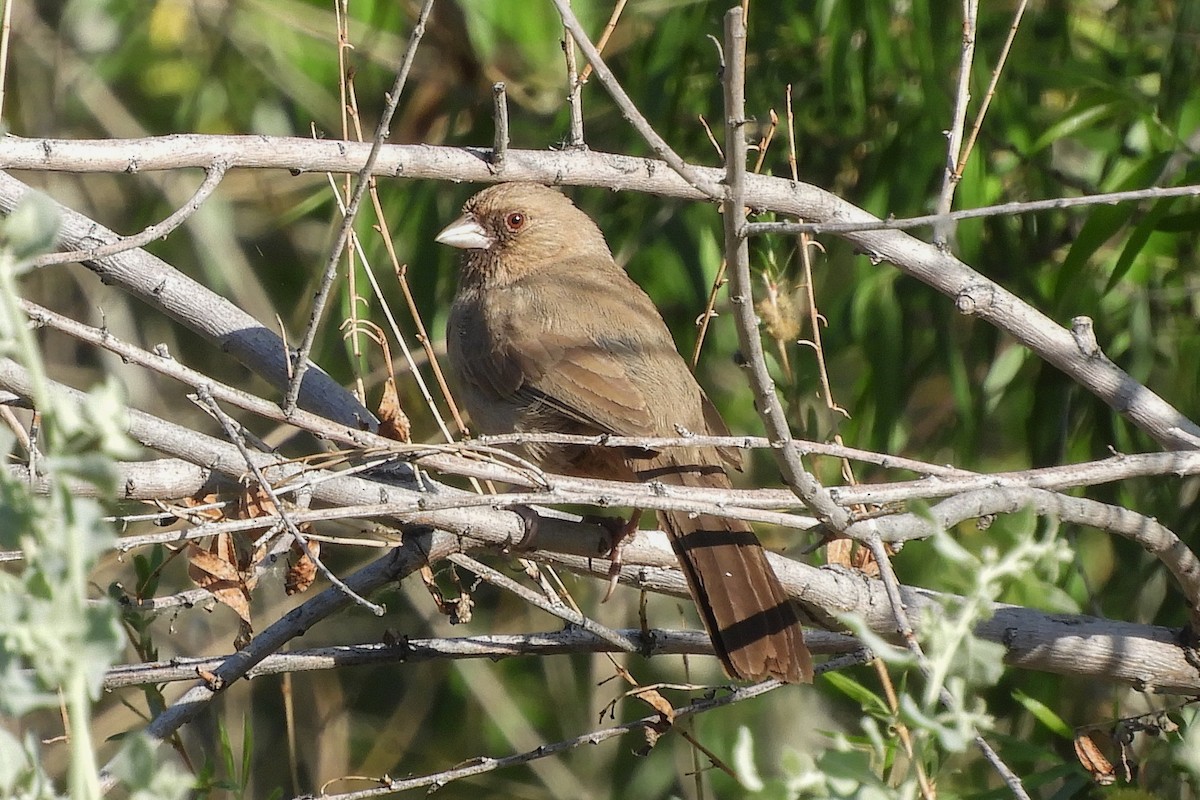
[467,233]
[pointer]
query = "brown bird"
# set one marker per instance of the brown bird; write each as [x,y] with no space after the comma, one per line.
[548,335]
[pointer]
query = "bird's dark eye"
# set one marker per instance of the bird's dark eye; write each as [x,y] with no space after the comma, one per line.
[515,221]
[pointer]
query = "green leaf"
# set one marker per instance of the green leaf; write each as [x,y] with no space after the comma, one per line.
[149,773]
[1085,117]
[1103,224]
[1044,715]
[32,227]
[869,701]
[1137,241]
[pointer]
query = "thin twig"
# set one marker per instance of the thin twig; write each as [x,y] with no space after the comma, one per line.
[5,34]
[814,314]
[574,93]
[212,178]
[962,99]
[1003,209]
[401,273]
[300,360]
[618,640]
[630,110]
[480,766]
[355,256]
[991,89]
[805,446]
[500,120]
[609,27]
[892,586]
[571,640]
[902,730]
[711,138]
[709,314]
[706,317]
[738,255]
[235,436]
[394,326]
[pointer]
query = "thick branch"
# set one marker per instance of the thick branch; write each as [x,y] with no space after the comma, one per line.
[1148,657]
[973,293]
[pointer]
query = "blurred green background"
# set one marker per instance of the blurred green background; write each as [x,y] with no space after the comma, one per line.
[1096,96]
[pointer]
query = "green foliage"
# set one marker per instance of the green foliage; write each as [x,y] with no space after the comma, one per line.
[21,772]
[237,773]
[55,643]
[1095,97]
[140,769]
[957,662]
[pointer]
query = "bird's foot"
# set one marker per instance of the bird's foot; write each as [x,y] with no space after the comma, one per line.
[530,519]
[621,534]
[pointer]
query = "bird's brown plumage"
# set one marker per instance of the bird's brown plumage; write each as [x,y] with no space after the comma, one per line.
[548,334]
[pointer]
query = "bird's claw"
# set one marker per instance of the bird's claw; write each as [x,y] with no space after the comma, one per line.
[614,572]
[530,519]
[621,535]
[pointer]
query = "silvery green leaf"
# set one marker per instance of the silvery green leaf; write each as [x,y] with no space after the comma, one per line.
[33,226]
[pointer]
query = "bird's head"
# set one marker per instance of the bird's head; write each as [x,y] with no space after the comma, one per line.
[513,228]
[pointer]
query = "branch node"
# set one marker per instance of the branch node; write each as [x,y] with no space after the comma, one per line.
[1084,332]
[500,115]
[970,301]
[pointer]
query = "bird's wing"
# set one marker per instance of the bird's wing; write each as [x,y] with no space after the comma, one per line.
[580,348]
[564,378]
[578,378]
[580,358]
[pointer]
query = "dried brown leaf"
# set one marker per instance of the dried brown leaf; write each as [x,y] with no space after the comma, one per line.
[838,552]
[393,422]
[253,503]
[1094,761]
[216,570]
[302,570]
[654,698]
[211,514]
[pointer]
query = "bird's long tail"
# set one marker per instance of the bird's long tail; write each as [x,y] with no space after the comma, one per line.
[747,613]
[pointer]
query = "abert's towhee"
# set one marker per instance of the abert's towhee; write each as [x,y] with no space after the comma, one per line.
[548,335]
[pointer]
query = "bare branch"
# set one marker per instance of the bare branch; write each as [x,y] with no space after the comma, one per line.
[962,98]
[806,447]
[300,363]
[1001,210]
[694,177]
[737,255]
[141,273]
[1149,658]
[1150,534]
[991,89]
[212,179]
[408,651]
[500,116]
[482,766]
